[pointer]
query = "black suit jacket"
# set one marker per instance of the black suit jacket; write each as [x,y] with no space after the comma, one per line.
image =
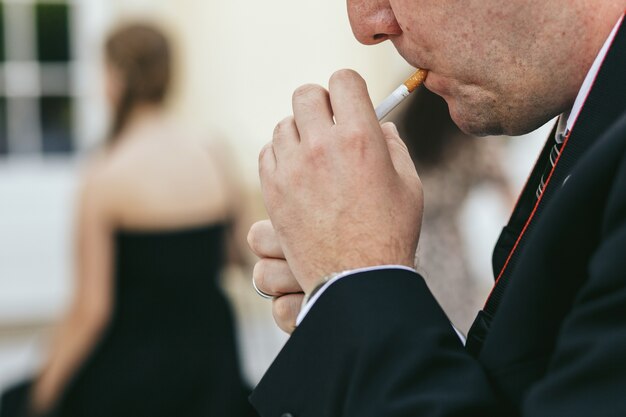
[379,345]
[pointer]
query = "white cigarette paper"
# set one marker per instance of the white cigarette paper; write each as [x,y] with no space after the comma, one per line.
[400,93]
[391,102]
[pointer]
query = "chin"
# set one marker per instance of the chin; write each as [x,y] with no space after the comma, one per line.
[475,122]
[493,127]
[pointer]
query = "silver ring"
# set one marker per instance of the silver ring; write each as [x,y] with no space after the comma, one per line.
[261,293]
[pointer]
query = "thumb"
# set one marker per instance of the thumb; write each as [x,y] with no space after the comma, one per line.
[398,151]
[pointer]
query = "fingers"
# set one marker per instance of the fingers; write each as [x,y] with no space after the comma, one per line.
[285,138]
[274,277]
[263,240]
[285,310]
[398,151]
[267,160]
[312,111]
[350,99]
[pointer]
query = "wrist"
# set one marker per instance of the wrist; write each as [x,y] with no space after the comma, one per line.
[311,280]
[318,290]
[318,285]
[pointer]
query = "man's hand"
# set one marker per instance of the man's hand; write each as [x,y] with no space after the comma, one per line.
[341,190]
[273,276]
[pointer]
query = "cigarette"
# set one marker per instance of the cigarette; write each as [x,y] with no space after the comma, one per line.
[400,93]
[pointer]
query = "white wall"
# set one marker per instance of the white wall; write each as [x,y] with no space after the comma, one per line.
[36,221]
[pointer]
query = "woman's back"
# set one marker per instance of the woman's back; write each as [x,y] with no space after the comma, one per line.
[169,347]
[158,177]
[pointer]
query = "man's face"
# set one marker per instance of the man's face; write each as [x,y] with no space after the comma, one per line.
[498,64]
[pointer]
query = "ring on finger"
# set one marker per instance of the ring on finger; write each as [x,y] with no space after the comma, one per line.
[261,293]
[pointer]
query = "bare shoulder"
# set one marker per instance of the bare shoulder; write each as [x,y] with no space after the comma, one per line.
[167,180]
[96,188]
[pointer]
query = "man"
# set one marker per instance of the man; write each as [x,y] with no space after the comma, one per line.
[345,207]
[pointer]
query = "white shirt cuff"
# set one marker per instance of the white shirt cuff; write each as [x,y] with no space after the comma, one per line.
[309,305]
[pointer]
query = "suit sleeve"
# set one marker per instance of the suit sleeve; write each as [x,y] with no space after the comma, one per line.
[375,345]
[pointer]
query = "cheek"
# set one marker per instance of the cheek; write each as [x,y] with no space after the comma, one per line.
[408,19]
[437,30]
[420,37]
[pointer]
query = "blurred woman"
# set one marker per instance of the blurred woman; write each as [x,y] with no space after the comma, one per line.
[149,332]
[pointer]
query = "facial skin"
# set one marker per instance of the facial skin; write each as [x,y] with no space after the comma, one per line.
[502,67]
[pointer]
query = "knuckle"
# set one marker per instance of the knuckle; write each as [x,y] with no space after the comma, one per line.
[282,126]
[254,237]
[355,132]
[305,91]
[268,277]
[345,75]
[264,150]
[318,150]
[285,310]
[282,267]
[258,274]
[282,310]
[354,139]
[277,129]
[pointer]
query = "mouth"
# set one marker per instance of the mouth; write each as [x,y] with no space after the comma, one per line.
[438,84]
[434,82]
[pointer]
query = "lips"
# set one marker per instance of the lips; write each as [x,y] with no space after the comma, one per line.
[437,84]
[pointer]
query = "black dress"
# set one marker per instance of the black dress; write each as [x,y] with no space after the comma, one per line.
[169,348]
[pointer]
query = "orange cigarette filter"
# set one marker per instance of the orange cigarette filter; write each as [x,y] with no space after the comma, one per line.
[416,80]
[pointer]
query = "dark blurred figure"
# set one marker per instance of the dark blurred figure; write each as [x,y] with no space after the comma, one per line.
[450,164]
[149,332]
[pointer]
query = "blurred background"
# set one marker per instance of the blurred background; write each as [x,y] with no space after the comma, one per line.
[237,65]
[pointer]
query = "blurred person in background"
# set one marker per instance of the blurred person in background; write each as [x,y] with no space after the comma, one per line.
[149,332]
[451,164]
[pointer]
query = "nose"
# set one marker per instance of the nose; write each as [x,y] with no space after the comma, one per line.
[372,21]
